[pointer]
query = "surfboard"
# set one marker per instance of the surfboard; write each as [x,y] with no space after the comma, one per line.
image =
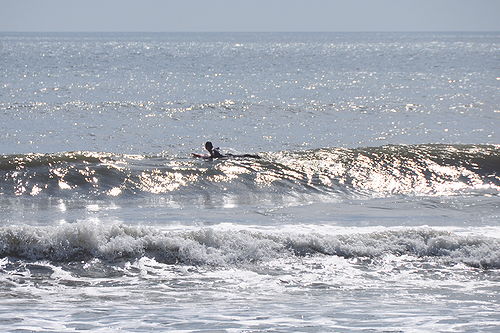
[201,156]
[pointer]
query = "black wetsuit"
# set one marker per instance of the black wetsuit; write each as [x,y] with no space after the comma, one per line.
[215,153]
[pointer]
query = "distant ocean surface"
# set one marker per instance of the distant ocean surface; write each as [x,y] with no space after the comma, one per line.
[374,206]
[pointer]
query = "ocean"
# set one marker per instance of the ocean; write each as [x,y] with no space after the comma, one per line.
[374,205]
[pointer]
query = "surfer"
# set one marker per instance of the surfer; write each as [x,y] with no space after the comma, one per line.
[215,153]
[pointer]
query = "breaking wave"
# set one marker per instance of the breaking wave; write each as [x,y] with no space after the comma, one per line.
[118,242]
[373,171]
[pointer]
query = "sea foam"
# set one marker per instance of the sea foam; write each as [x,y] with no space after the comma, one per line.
[219,247]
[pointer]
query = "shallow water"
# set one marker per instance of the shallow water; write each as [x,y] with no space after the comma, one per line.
[373,206]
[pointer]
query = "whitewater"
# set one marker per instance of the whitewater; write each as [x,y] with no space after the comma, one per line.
[374,205]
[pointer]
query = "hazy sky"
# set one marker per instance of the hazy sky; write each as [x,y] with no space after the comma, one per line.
[251,15]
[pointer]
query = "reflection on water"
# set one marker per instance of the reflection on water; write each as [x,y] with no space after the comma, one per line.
[339,172]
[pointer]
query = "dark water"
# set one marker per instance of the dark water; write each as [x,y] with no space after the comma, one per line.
[374,204]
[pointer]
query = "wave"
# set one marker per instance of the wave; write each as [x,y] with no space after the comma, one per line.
[118,242]
[339,172]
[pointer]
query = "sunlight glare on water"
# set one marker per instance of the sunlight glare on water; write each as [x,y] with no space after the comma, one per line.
[372,204]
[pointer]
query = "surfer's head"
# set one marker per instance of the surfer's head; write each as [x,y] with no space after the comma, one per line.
[209,146]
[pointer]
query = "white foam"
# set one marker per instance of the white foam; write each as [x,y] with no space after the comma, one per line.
[228,245]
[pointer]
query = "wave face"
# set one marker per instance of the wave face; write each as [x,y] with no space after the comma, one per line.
[375,171]
[118,242]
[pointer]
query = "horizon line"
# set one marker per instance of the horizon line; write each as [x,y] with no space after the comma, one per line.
[247,31]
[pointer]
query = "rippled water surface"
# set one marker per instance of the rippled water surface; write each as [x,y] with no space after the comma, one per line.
[373,203]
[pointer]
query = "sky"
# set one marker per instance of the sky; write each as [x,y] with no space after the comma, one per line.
[251,15]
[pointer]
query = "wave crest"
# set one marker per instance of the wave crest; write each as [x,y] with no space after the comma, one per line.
[86,241]
[379,171]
